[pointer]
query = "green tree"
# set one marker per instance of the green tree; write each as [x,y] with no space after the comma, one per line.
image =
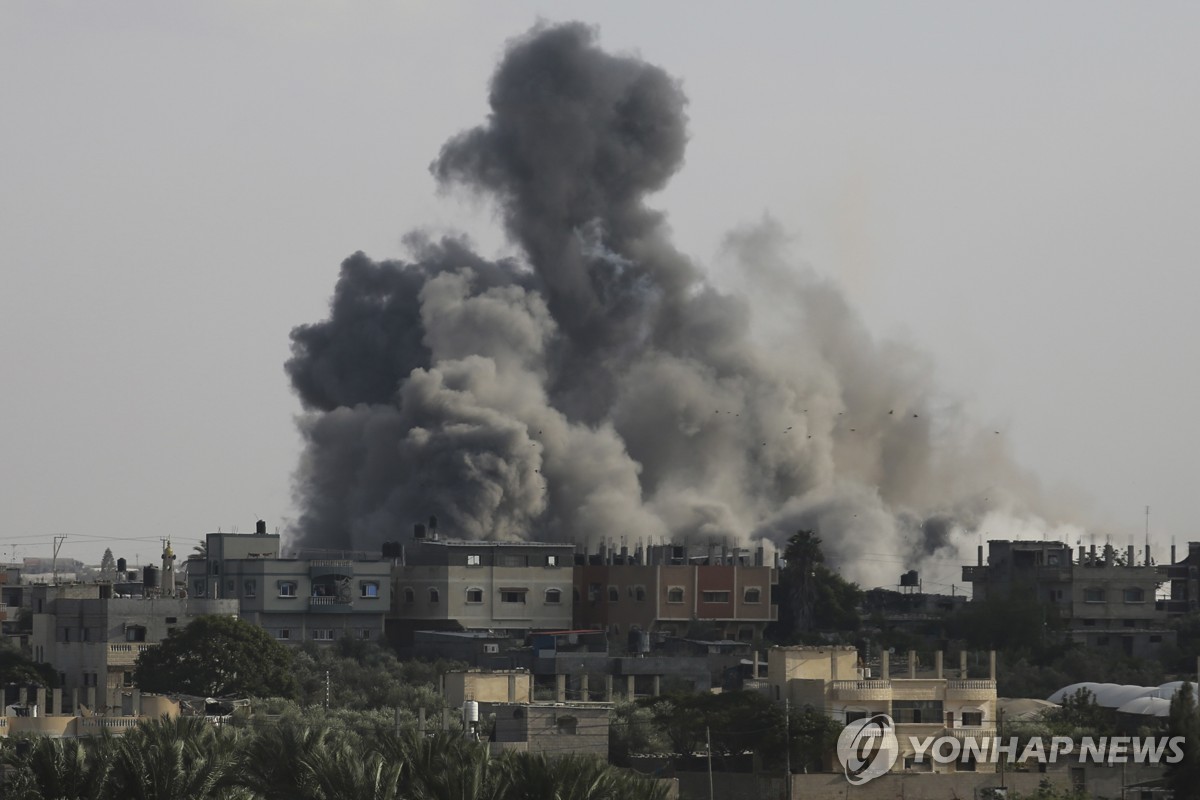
[173,759]
[18,668]
[71,769]
[108,564]
[1183,720]
[815,598]
[218,656]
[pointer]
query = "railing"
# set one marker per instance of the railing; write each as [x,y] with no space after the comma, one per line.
[329,600]
[971,683]
[862,684]
[330,562]
[972,733]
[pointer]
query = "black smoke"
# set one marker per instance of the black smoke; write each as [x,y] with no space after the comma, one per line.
[600,388]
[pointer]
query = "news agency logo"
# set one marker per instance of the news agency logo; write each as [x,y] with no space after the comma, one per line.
[868,748]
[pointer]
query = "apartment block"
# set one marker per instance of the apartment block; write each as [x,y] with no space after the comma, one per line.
[295,599]
[922,702]
[1103,599]
[664,590]
[502,587]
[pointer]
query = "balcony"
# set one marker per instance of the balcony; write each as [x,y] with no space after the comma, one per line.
[861,690]
[972,733]
[125,655]
[970,689]
[330,603]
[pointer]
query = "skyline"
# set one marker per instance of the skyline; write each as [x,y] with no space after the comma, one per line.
[880,205]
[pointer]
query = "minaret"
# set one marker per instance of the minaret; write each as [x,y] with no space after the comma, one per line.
[168,571]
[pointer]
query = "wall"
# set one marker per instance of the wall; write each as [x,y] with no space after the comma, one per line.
[486,687]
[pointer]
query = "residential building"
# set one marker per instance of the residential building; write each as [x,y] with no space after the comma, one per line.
[508,588]
[1183,578]
[553,729]
[295,599]
[719,594]
[92,639]
[922,703]
[1103,600]
[487,686]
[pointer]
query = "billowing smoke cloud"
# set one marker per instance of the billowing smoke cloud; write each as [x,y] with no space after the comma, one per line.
[600,387]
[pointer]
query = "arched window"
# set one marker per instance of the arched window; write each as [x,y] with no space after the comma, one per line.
[753,595]
[554,596]
[409,595]
[474,595]
[675,594]
[433,597]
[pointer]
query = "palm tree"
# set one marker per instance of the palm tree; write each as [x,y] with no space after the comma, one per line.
[57,769]
[174,759]
[443,767]
[273,763]
[343,773]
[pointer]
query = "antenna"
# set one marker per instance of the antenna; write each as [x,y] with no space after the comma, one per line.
[58,542]
[1147,534]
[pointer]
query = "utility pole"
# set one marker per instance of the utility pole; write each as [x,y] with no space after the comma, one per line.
[58,543]
[708,740]
[787,744]
[326,689]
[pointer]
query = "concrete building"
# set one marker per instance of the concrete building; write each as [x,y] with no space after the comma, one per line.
[93,639]
[552,729]
[508,588]
[1104,600]
[933,702]
[486,686]
[721,593]
[294,599]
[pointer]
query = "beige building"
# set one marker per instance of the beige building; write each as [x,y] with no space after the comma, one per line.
[922,703]
[93,641]
[501,686]
[552,729]
[320,599]
[515,587]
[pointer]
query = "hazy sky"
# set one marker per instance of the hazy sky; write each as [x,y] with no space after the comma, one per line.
[1012,189]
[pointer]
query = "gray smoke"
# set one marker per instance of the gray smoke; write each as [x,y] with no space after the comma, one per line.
[601,388]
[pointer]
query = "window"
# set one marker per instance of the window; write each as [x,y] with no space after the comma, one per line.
[972,719]
[434,597]
[409,595]
[1093,595]
[567,725]
[514,561]
[917,711]
[1135,594]
[553,596]
[284,634]
[198,588]
[551,561]
[675,594]
[594,592]
[369,588]
[250,588]
[753,595]
[322,634]
[639,593]
[172,620]
[287,588]
[365,633]
[854,716]
[127,678]
[135,633]
[474,560]
[474,595]
[216,567]
[715,597]
[614,594]
[512,596]
[231,587]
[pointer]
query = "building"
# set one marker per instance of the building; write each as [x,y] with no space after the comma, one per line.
[509,588]
[487,686]
[551,729]
[92,639]
[294,599]
[721,594]
[1102,600]
[922,703]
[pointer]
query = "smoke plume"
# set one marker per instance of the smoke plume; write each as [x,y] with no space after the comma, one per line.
[600,387]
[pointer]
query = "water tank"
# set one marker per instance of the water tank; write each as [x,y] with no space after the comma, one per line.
[418,531]
[909,578]
[122,565]
[260,527]
[470,712]
[150,577]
